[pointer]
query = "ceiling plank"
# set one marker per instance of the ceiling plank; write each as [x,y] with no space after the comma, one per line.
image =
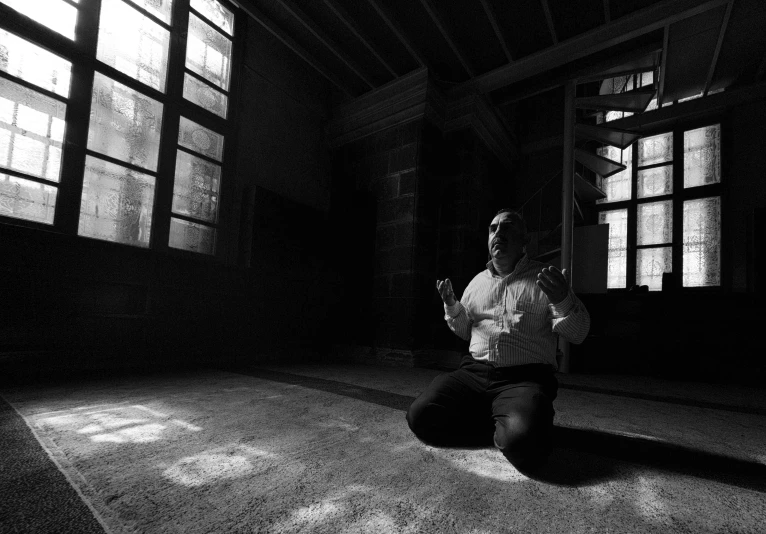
[290,43]
[398,32]
[436,20]
[607,12]
[312,27]
[663,64]
[549,20]
[496,27]
[619,31]
[345,18]
[721,34]
[610,68]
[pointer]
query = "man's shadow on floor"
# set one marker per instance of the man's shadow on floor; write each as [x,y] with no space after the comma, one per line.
[584,457]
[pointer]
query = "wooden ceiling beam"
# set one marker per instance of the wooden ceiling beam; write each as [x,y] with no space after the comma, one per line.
[290,43]
[549,20]
[312,27]
[719,44]
[495,26]
[455,50]
[398,32]
[624,29]
[345,18]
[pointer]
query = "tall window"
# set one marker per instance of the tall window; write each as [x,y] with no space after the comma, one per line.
[114,116]
[664,209]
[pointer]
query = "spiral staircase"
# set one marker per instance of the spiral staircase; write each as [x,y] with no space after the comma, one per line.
[587,190]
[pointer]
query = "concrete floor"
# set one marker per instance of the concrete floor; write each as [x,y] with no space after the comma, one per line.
[325,448]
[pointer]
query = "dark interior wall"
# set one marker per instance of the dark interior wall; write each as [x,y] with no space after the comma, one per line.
[70,303]
[376,180]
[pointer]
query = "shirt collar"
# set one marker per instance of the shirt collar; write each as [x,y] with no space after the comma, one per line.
[523,262]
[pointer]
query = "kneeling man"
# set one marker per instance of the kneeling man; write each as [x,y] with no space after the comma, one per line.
[512,313]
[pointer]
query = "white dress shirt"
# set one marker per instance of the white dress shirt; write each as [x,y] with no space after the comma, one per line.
[510,321]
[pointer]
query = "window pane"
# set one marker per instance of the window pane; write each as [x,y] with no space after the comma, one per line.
[651,263]
[200,139]
[215,13]
[702,156]
[31,131]
[190,236]
[195,192]
[55,14]
[124,124]
[205,96]
[25,199]
[702,242]
[116,204]
[655,223]
[36,65]
[617,187]
[618,246]
[162,9]
[133,43]
[208,53]
[655,181]
[656,149]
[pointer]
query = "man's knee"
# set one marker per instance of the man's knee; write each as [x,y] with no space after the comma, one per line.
[524,437]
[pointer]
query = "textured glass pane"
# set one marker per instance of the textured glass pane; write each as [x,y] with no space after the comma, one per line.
[647,78]
[205,96]
[190,236]
[133,44]
[162,9]
[655,223]
[116,203]
[195,192]
[124,123]
[656,149]
[31,131]
[617,187]
[55,14]
[702,156]
[702,242]
[651,263]
[200,139]
[25,199]
[655,181]
[215,13]
[652,105]
[618,246]
[208,53]
[36,65]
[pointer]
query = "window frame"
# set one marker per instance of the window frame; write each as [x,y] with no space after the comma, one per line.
[81,53]
[677,197]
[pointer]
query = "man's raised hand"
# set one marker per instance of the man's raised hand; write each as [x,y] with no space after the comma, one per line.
[554,284]
[444,287]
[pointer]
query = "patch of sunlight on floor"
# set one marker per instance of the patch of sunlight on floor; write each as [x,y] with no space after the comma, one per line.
[327,510]
[135,434]
[116,424]
[489,463]
[373,521]
[648,501]
[222,463]
[600,494]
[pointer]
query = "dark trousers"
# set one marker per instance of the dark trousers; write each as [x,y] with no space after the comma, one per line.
[479,404]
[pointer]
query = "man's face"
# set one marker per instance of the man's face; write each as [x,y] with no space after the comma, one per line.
[506,236]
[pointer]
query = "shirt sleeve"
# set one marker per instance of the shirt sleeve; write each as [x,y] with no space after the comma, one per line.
[458,319]
[570,319]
